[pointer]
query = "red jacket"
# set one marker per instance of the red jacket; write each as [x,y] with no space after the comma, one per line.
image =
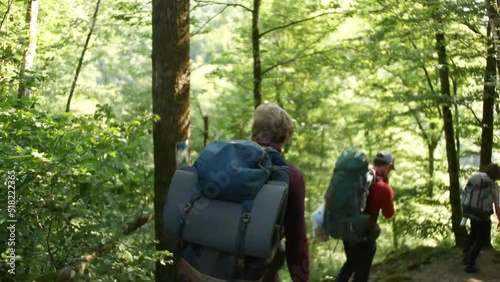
[381,197]
[296,245]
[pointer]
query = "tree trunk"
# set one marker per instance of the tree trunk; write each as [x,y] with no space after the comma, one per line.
[431,148]
[4,21]
[171,76]
[451,151]
[206,130]
[489,90]
[431,137]
[30,51]
[496,34]
[257,69]
[80,61]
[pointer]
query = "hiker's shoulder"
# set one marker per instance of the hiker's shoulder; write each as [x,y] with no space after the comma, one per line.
[295,172]
[381,187]
[297,180]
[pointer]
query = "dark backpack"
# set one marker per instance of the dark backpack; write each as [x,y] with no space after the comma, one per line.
[227,212]
[478,196]
[346,198]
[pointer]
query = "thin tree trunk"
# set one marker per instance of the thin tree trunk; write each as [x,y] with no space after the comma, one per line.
[257,68]
[451,151]
[496,36]
[206,130]
[430,170]
[30,51]
[206,124]
[5,20]
[6,13]
[171,77]
[489,90]
[80,61]
[431,138]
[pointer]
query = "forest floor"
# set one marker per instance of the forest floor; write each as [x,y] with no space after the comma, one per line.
[436,264]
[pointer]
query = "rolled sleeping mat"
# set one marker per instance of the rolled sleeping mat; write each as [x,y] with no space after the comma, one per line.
[214,224]
[182,188]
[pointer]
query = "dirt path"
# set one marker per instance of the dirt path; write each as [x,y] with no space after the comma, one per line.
[451,270]
[447,269]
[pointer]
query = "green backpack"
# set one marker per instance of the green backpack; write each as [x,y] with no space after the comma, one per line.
[346,198]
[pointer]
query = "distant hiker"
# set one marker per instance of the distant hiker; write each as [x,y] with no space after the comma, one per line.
[273,127]
[479,199]
[353,201]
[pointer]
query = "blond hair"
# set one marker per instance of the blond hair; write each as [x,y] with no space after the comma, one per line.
[271,123]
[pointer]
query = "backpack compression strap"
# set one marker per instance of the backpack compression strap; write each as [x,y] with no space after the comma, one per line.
[279,173]
[186,210]
[238,261]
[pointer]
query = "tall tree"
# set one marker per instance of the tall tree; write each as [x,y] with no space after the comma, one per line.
[171,103]
[489,90]
[29,52]
[257,68]
[449,131]
[5,18]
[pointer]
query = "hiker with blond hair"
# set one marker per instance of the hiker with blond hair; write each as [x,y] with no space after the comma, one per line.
[272,127]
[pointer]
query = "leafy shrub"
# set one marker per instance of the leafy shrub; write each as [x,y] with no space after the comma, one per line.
[79,180]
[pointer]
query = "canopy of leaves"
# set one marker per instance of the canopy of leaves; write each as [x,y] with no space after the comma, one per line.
[351,73]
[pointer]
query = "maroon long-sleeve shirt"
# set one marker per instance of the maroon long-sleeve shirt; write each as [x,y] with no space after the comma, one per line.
[296,245]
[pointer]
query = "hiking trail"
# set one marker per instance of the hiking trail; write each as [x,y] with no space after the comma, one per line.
[426,264]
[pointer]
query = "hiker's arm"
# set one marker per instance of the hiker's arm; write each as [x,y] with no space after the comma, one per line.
[496,204]
[296,246]
[497,212]
[388,202]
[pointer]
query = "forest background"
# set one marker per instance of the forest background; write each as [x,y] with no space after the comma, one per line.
[418,78]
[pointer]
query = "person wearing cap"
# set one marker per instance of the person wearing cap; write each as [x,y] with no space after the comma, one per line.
[381,198]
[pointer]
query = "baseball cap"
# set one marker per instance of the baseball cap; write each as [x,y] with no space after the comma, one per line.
[385,157]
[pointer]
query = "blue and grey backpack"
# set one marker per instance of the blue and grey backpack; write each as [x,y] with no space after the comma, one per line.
[226,212]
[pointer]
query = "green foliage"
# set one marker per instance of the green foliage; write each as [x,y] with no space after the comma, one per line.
[362,75]
[70,170]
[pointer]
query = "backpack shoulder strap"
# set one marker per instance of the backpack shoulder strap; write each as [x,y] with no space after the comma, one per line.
[280,171]
[277,158]
[374,178]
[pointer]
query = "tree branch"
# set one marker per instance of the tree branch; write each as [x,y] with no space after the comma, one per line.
[80,61]
[472,28]
[6,13]
[210,19]
[138,223]
[478,120]
[293,23]
[427,76]
[222,3]
[297,57]
[194,8]
[76,269]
